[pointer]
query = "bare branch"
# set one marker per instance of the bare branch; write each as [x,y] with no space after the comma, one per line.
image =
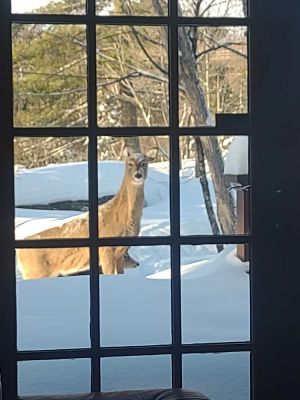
[117,80]
[57,74]
[57,150]
[245,7]
[66,92]
[156,65]
[125,64]
[52,94]
[223,46]
[209,5]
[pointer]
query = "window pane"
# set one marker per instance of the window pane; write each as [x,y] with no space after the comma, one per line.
[53,377]
[124,7]
[212,73]
[132,76]
[219,376]
[51,187]
[52,313]
[215,293]
[214,185]
[135,308]
[48,6]
[136,171]
[49,75]
[143,372]
[213,8]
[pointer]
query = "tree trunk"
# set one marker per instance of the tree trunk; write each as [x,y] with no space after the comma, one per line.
[128,108]
[129,118]
[205,190]
[188,77]
[225,205]
[133,142]
[117,7]
[245,8]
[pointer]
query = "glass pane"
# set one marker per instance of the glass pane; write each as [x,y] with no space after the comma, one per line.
[135,308]
[215,293]
[214,185]
[219,376]
[143,372]
[134,172]
[132,76]
[212,73]
[52,313]
[213,8]
[53,377]
[49,75]
[51,187]
[48,6]
[125,7]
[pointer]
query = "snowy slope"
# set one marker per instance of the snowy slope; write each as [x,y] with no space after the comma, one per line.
[136,307]
[61,182]
[69,182]
[236,162]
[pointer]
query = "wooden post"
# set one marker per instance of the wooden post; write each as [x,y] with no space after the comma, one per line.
[242,211]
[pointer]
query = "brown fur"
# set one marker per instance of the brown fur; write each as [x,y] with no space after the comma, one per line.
[120,216]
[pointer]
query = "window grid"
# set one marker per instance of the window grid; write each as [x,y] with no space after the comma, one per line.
[95,352]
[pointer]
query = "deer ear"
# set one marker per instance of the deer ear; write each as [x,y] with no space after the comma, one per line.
[128,152]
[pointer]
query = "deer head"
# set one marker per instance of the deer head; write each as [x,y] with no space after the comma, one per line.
[136,167]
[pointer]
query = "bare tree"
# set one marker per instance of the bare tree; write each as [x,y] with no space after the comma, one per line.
[205,189]
[192,88]
[128,106]
[245,7]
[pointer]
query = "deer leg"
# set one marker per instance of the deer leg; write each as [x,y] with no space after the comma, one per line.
[120,253]
[120,265]
[107,260]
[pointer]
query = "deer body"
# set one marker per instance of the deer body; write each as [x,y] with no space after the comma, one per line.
[121,216]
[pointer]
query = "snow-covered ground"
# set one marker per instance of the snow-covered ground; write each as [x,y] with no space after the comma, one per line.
[135,307]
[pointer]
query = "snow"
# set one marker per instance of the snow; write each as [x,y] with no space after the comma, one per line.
[62,182]
[231,380]
[57,181]
[69,181]
[135,307]
[23,6]
[236,162]
[210,121]
[30,222]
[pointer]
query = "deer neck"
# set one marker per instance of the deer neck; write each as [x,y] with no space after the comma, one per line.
[135,199]
[130,198]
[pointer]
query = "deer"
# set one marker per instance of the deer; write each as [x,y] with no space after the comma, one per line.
[120,216]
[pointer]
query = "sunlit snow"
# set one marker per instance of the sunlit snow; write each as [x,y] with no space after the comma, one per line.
[135,307]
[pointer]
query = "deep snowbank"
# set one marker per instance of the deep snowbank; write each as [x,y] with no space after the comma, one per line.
[136,307]
[62,182]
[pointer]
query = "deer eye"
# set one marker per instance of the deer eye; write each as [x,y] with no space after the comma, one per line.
[130,164]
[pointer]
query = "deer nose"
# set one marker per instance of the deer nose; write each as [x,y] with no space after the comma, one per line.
[138,175]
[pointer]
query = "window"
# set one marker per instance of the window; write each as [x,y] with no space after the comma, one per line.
[153,66]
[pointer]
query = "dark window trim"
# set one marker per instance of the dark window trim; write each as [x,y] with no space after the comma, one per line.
[176,349]
[271,352]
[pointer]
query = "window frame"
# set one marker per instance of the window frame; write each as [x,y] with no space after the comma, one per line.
[261,344]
